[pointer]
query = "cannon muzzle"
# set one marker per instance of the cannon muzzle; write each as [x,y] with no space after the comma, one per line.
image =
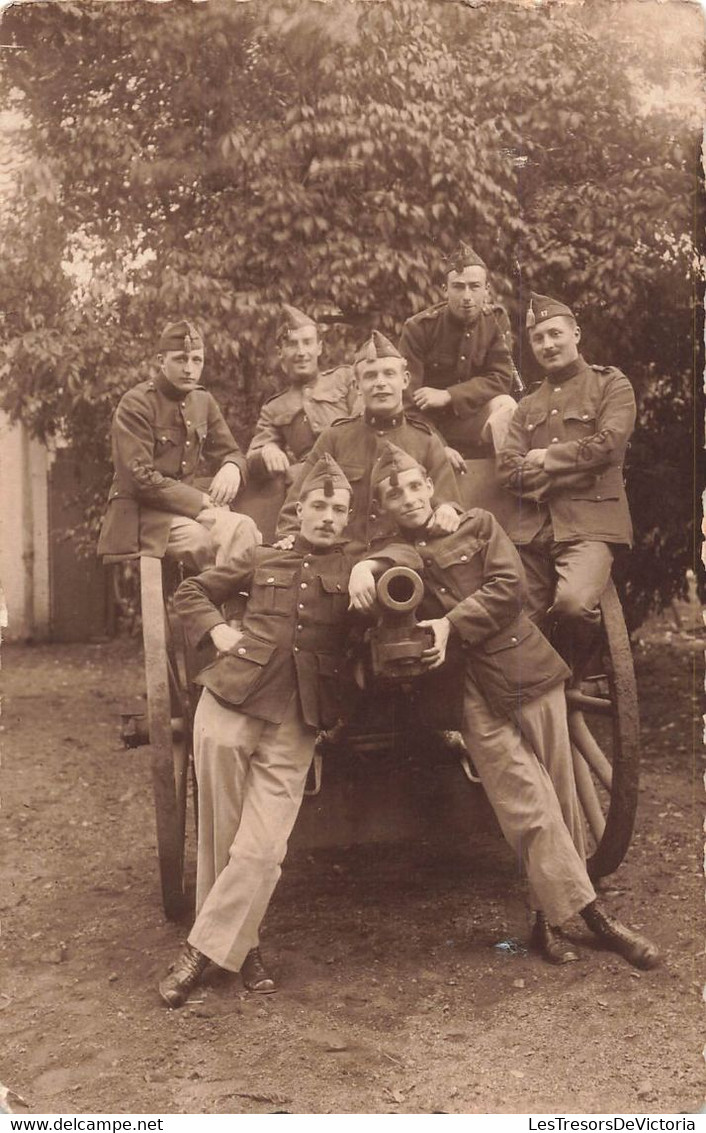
[400,590]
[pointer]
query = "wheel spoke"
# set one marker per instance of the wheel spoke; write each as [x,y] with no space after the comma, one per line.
[587,796]
[586,745]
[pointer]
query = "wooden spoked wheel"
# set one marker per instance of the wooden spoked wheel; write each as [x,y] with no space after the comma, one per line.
[170,716]
[604,730]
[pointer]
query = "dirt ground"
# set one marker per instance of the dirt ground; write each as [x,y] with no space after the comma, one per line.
[393,997]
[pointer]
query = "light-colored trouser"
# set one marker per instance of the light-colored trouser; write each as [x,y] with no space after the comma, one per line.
[499,412]
[526,806]
[565,580]
[544,725]
[199,546]
[251,776]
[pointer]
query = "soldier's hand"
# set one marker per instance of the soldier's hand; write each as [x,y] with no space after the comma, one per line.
[361,588]
[429,398]
[225,484]
[535,457]
[274,459]
[435,655]
[445,520]
[224,637]
[455,460]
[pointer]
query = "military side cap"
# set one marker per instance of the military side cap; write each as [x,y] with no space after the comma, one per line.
[292,318]
[541,308]
[325,474]
[377,346]
[391,461]
[462,257]
[179,336]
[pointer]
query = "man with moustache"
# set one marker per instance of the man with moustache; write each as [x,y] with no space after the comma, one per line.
[563,460]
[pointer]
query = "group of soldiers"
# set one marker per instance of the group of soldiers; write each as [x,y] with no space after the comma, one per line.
[372,455]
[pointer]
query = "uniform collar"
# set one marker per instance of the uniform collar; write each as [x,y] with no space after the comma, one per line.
[566,372]
[302,546]
[383,423]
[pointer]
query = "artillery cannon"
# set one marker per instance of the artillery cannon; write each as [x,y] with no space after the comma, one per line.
[397,642]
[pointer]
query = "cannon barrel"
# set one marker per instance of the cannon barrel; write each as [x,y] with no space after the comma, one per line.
[397,642]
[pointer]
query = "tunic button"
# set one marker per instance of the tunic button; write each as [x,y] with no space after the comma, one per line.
[599,497]
[442,589]
[242,649]
[188,422]
[306,564]
[584,416]
[557,389]
[463,357]
[300,626]
[301,605]
[555,440]
[188,443]
[422,543]
[183,464]
[296,648]
[513,640]
[271,578]
[554,411]
[302,585]
[183,405]
[464,558]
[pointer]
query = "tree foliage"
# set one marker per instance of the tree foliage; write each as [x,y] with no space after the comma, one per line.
[216,159]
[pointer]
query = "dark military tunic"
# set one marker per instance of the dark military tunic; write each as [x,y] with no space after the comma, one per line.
[584,417]
[295,417]
[159,437]
[472,361]
[474,578]
[294,629]
[355,444]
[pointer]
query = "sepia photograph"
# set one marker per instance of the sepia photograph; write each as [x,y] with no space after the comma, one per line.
[351,582]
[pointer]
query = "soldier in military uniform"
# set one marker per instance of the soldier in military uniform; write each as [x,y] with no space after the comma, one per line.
[514,714]
[460,361]
[563,459]
[273,684]
[356,442]
[162,429]
[291,420]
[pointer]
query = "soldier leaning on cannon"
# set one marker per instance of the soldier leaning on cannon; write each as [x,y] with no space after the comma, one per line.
[514,723]
[161,431]
[460,360]
[355,443]
[274,683]
[291,420]
[563,458]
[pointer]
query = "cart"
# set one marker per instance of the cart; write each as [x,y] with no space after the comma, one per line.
[602,711]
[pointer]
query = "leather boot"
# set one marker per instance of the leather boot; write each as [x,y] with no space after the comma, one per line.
[254,974]
[636,949]
[176,987]
[553,946]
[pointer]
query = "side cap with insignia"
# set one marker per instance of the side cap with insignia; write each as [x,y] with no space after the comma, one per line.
[180,336]
[325,474]
[542,307]
[377,346]
[391,461]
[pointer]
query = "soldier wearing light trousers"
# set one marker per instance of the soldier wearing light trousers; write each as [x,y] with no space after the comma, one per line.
[273,685]
[514,721]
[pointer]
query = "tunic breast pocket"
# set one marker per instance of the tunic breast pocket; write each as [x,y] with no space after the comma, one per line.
[333,594]
[167,438]
[579,422]
[461,566]
[440,370]
[271,591]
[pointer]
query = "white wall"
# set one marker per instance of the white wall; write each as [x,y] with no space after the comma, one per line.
[24,532]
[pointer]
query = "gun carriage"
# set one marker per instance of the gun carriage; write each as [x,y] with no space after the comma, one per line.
[394,724]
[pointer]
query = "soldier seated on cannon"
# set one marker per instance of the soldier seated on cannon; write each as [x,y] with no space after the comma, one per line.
[514,716]
[563,458]
[291,420]
[274,683]
[460,361]
[356,442]
[162,429]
